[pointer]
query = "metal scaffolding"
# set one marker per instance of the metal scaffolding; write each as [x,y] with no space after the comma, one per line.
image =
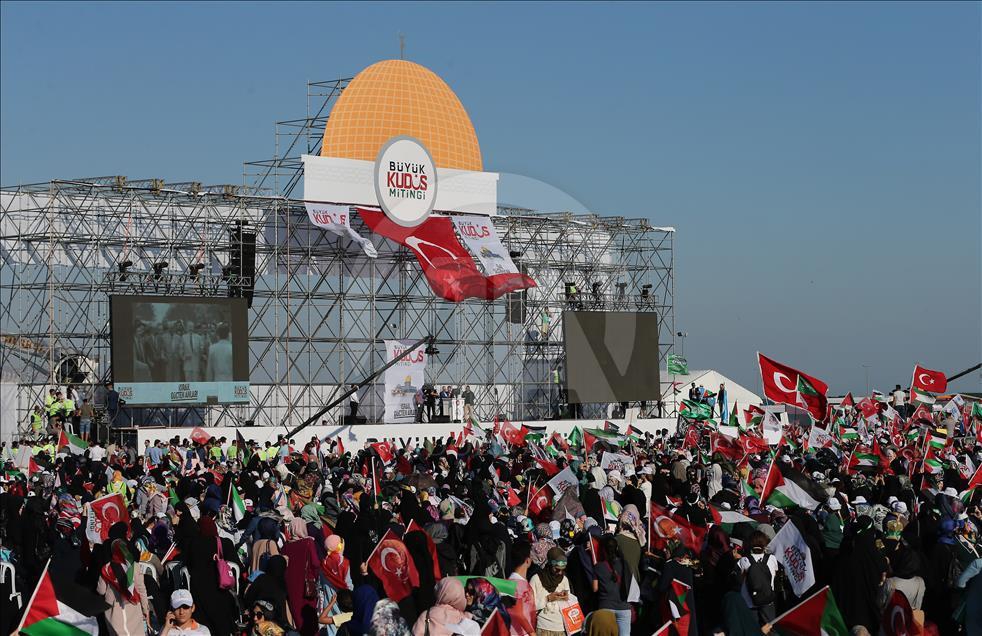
[321,309]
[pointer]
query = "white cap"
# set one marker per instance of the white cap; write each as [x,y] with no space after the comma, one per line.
[951,492]
[859,500]
[834,504]
[180,597]
[899,507]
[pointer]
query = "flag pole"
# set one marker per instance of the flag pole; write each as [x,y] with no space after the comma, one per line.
[375,485]
[772,622]
[27,608]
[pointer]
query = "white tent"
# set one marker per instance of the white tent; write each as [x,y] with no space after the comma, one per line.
[710,379]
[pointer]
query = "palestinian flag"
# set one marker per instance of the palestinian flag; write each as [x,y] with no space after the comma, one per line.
[976,480]
[734,419]
[696,410]
[612,510]
[933,465]
[922,397]
[937,438]
[728,519]
[535,433]
[172,495]
[977,410]
[848,401]
[678,599]
[61,609]
[847,434]
[859,460]
[75,445]
[785,493]
[505,587]
[237,504]
[633,433]
[817,615]
[753,415]
[614,439]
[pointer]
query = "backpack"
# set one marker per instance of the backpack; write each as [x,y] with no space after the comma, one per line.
[759,581]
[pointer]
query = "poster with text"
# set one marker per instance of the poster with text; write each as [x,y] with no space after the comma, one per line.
[402,381]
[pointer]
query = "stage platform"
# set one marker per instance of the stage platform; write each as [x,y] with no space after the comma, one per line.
[354,436]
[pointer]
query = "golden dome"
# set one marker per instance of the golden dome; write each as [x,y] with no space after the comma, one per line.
[397,97]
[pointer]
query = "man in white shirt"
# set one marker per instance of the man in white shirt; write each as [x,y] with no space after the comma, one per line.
[220,357]
[899,399]
[353,402]
[96,453]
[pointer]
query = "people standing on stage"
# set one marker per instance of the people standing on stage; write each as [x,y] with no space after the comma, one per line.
[444,396]
[353,402]
[468,396]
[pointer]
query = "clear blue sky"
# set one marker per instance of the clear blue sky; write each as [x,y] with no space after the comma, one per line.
[821,161]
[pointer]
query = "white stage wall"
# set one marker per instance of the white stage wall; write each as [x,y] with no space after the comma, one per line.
[354,436]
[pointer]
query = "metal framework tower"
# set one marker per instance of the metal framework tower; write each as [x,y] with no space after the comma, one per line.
[321,308]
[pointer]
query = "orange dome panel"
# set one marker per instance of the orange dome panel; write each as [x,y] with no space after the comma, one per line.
[397,97]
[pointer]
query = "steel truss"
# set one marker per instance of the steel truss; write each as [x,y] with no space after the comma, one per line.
[321,309]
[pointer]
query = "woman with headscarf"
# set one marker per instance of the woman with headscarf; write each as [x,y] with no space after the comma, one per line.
[613,583]
[387,621]
[129,609]
[363,601]
[552,594]
[270,586]
[448,615]
[424,595]
[717,561]
[631,538]
[336,573]
[601,623]
[445,553]
[315,528]
[266,545]
[857,577]
[302,566]
[214,606]
[542,544]
[487,542]
[483,600]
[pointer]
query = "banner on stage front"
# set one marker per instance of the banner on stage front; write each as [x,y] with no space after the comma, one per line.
[402,381]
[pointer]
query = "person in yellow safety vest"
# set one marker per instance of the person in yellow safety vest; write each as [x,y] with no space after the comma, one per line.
[54,406]
[233,450]
[67,409]
[37,421]
[215,452]
[118,486]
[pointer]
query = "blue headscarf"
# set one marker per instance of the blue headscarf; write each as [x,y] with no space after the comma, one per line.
[364,599]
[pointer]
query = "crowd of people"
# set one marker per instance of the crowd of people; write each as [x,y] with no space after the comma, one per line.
[495,530]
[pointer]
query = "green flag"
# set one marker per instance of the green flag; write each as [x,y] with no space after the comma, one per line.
[677,365]
[696,410]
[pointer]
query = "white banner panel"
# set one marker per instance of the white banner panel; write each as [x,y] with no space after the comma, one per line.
[337,220]
[402,381]
[482,240]
[352,181]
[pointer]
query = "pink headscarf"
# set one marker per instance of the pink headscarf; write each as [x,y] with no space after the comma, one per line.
[298,529]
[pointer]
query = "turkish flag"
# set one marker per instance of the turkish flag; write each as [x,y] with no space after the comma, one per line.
[666,527]
[781,385]
[103,513]
[928,380]
[513,499]
[512,435]
[550,468]
[394,567]
[540,500]
[448,266]
[898,618]
[867,407]
[199,435]
[691,438]
[384,450]
[727,446]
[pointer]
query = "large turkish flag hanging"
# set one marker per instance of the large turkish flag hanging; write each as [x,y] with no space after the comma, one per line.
[447,265]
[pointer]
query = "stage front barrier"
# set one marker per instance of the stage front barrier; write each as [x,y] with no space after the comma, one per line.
[354,437]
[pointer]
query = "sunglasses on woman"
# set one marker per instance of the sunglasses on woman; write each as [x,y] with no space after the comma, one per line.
[258,615]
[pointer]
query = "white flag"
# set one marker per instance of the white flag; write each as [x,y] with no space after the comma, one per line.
[791,550]
[617,461]
[337,220]
[562,481]
[819,438]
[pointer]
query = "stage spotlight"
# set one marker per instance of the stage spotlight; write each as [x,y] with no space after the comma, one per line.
[125,265]
[195,269]
[646,294]
[158,269]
